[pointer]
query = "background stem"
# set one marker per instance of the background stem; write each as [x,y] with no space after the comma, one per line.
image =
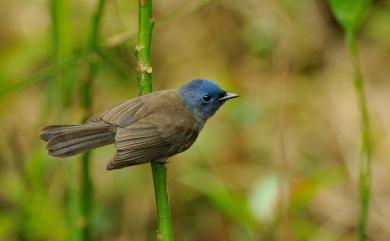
[58,94]
[144,76]
[365,153]
[86,94]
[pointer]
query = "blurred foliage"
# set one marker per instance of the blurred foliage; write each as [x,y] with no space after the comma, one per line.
[279,163]
[350,13]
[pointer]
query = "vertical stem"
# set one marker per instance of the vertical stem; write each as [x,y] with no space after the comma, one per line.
[86,196]
[365,153]
[58,97]
[145,28]
[62,50]
[164,219]
[144,76]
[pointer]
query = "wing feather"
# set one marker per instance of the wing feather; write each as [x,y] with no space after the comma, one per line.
[138,143]
[149,128]
[121,115]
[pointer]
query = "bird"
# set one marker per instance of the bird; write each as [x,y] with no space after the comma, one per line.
[148,128]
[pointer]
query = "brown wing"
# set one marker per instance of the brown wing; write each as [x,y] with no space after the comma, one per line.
[121,115]
[150,128]
[144,142]
[130,111]
[138,143]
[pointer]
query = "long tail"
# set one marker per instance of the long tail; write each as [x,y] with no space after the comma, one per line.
[69,140]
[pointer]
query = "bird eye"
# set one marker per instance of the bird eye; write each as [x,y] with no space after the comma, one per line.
[206,98]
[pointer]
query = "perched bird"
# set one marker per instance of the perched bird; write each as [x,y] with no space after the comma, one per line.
[148,128]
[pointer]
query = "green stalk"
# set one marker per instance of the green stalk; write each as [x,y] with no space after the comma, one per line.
[57,99]
[86,180]
[86,197]
[365,153]
[164,219]
[145,29]
[350,14]
[62,41]
[144,76]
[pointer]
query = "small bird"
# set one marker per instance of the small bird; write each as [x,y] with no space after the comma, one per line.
[149,128]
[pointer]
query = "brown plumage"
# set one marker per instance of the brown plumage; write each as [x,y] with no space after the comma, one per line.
[149,128]
[144,129]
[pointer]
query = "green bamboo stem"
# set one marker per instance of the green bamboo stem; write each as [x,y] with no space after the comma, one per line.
[145,29]
[57,99]
[86,195]
[365,152]
[144,76]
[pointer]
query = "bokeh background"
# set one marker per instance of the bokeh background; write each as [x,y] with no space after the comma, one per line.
[279,163]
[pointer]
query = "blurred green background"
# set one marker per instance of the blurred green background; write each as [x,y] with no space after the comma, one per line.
[278,163]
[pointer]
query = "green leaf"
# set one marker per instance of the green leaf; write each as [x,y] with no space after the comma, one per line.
[350,13]
[264,197]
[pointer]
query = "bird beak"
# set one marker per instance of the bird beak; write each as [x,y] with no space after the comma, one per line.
[228,96]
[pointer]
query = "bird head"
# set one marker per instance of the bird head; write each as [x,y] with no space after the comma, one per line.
[204,97]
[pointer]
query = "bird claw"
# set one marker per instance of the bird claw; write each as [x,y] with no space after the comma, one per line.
[163,161]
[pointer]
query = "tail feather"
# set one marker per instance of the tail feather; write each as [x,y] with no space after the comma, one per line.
[68,140]
[56,130]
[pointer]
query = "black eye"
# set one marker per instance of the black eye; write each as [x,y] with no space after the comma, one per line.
[206,98]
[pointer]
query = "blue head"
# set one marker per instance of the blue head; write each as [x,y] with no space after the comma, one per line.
[204,97]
